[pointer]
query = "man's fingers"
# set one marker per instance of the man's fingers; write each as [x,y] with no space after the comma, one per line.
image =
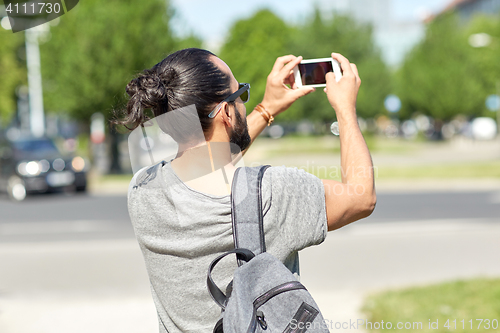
[281,61]
[344,63]
[290,79]
[299,92]
[330,76]
[285,71]
[355,70]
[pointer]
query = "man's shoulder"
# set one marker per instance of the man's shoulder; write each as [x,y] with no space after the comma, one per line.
[286,181]
[287,174]
[146,176]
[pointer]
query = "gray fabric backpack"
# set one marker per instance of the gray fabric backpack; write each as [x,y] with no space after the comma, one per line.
[264,295]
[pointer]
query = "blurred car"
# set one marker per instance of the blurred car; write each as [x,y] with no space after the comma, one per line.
[35,165]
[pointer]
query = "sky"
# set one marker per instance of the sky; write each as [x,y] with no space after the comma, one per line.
[211,20]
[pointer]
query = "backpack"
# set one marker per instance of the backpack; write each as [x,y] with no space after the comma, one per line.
[264,295]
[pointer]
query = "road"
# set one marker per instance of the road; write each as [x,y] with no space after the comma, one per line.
[71,263]
[61,217]
[79,217]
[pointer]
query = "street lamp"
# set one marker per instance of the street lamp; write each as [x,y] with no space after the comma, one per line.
[37,118]
[481,40]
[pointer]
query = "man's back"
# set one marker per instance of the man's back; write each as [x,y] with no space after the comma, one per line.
[181,230]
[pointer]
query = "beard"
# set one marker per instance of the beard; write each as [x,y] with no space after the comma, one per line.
[240,136]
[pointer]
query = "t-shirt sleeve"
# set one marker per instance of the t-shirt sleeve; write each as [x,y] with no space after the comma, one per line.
[294,209]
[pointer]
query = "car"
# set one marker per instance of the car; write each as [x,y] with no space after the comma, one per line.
[35,165]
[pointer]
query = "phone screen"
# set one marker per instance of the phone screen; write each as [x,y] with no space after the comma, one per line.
[314,73]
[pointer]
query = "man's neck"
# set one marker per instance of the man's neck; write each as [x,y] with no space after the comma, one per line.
[208,168]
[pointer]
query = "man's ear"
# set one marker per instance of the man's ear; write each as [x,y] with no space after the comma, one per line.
[226,114]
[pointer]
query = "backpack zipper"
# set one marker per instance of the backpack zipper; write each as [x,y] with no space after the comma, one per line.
[292,285]
[262,299]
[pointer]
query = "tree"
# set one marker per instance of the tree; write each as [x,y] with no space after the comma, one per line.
[254,44]
[12,72]
[439,77]
[486,57]
[252,48]
[319,37]
[96,50]
[98,47]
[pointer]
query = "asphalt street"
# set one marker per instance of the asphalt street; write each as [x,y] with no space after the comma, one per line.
[71,263]
[59,217]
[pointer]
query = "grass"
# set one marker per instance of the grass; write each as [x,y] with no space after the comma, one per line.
[447,303]
[310,147]
[296,144]
[452,171]
[391,146]
[461,170]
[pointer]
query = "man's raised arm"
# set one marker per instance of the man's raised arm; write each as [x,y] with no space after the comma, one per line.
[354,198]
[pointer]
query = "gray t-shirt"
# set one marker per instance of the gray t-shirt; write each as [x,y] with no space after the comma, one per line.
[181,230]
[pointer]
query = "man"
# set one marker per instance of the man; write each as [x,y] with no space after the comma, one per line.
[181,208]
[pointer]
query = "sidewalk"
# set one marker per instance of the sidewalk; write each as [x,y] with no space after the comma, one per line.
[75,287]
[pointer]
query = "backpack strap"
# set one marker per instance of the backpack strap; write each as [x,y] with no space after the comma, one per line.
[246,204]
[219,297]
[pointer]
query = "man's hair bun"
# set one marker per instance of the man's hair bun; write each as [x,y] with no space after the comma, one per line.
[150,90]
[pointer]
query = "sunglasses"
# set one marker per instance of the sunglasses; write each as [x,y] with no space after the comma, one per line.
[243,92]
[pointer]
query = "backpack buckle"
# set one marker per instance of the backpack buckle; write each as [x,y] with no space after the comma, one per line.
[261,320]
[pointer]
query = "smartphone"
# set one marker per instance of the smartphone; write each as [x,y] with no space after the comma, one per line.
[311,72]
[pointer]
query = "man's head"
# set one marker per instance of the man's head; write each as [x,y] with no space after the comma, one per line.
[187,77]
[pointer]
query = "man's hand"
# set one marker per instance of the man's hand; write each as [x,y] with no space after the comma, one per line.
[342,95]
[278,97]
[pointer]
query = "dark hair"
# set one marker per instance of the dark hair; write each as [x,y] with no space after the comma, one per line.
[183,78]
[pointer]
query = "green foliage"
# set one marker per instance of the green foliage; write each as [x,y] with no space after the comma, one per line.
[254,44]
[252,48]
[486,58]
[98,47]
[318,38]
[439,77]
[12,72]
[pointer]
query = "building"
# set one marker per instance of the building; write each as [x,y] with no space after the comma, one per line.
[467,8]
